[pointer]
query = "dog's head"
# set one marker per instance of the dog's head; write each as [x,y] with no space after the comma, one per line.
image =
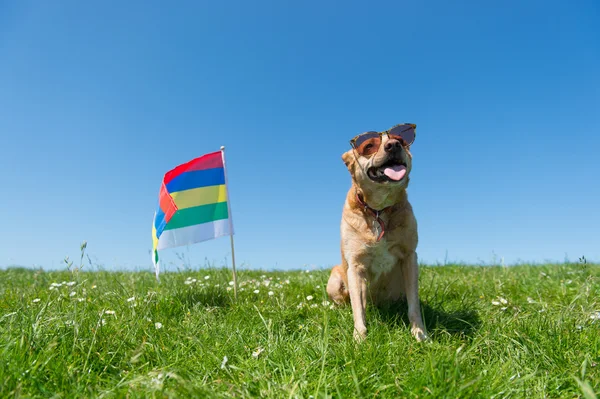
[380,162]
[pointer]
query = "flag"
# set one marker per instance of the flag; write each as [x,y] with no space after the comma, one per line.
[193,205]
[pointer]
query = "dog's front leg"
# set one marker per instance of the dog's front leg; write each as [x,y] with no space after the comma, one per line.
[357,287]
[411,281]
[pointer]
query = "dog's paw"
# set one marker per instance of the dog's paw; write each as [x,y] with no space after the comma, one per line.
[419,334]
[360,334]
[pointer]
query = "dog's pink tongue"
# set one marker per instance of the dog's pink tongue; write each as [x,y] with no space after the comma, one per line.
[395,172]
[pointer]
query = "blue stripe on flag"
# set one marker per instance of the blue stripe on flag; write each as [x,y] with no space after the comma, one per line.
[159,222]
[196,179]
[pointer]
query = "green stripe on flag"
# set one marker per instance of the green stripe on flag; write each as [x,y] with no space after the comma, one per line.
[198,215]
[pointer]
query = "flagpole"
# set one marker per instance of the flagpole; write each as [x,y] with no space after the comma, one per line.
[235,284]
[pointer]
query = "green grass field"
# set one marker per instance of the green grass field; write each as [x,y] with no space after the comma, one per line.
[497,332]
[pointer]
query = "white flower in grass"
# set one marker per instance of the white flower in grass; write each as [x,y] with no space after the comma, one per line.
[263,276]
[187,282]
[318,286]
[325,303]
[500,301]
[157,382]
[36,300]
[231,283]
[595,315]
[158,325]
[257,352]
[72,293]
[331,307]
[206,277]
[256,291]
[287,281]
[71,283]
[94,286]
[271,293]
[300,305]
[530,300]
[80,299]
[229,288]
[194,280]
[309,298]
[314,305]
[131,299]
[110,312]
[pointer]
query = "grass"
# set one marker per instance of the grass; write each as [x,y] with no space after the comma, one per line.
[497,332]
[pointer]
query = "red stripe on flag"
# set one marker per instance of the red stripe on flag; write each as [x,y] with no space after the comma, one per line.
[208,161]
[166,203]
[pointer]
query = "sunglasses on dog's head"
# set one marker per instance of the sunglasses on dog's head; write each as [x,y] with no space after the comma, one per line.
[368,143]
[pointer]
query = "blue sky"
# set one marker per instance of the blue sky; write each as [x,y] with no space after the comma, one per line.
[98,100]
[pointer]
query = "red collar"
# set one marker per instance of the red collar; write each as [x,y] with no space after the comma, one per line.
[374,213]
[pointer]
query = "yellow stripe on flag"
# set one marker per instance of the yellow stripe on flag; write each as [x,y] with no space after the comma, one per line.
[199,196]
[154,239]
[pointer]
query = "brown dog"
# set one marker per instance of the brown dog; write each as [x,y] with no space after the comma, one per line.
[378,229]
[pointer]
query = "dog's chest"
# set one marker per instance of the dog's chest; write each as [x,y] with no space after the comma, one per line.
[381,259]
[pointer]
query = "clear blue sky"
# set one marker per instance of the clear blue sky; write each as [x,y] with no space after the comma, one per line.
[98,100]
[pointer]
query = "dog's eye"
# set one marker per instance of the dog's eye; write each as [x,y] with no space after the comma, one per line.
[369,147]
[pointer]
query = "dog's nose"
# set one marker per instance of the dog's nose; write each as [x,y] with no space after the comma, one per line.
[392,145]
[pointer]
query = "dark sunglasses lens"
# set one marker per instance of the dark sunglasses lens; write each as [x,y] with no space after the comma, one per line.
[367,143]
[405,133]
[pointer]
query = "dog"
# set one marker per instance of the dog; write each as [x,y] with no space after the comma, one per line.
[378,229]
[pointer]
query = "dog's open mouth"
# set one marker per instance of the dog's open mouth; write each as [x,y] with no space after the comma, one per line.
[391,171]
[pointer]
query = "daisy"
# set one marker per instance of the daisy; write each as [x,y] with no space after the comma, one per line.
[257,352]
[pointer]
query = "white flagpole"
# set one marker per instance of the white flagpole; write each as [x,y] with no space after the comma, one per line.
[235,285]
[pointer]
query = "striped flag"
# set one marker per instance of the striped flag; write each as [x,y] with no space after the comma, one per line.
[193,205]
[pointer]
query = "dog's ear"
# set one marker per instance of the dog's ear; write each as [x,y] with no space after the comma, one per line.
[349,160]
